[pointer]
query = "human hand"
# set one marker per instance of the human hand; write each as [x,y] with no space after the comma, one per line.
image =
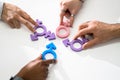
[14,16]
[102,32]
[36,69]
[69,9]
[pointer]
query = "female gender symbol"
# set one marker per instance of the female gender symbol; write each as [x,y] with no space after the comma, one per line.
[67,33]
[65,26]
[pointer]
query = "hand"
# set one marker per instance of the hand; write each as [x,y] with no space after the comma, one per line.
[14,16]
[36,69]
[102,32]
[69,9]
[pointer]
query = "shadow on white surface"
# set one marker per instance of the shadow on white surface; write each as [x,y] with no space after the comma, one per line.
[110,54]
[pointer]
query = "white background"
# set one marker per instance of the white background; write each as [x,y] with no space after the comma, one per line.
[102,62]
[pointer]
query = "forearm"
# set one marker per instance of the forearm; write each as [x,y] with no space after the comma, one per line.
[1,8]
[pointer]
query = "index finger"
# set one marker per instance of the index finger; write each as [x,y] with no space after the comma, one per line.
[25,22]
[26,16]
[71,20]
[62,13]
[82,32]
[83,25]
[50,61]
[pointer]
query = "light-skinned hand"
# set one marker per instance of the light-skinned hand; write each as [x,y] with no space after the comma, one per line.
[69,8]
[14,16]
[101,32]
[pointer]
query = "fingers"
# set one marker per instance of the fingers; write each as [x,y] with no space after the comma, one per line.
[84,25]
[50,61]
[62,14]
[26,17]
[90,43]
[67,14]
[14,23]
[10,22]
[82,32]
[25,22]
[61,17]
[71,20]
[14,16]
[63,11]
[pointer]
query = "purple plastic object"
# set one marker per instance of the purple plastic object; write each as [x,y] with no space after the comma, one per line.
[76,41]
[49,35]
[34,37]
[39,22]
[85,40]
[43,27]
[67,43]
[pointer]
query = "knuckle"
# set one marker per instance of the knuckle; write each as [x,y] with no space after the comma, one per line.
[26,23]
[64,3]
[94,22]
[18,10]
[28,17]
[15,15]
[9,19]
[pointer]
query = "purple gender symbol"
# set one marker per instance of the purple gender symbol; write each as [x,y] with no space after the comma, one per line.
[71,44]
[48,34]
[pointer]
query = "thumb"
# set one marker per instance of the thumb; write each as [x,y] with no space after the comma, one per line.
[90,43]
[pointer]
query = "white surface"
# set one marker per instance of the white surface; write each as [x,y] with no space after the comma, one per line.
[99,63]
